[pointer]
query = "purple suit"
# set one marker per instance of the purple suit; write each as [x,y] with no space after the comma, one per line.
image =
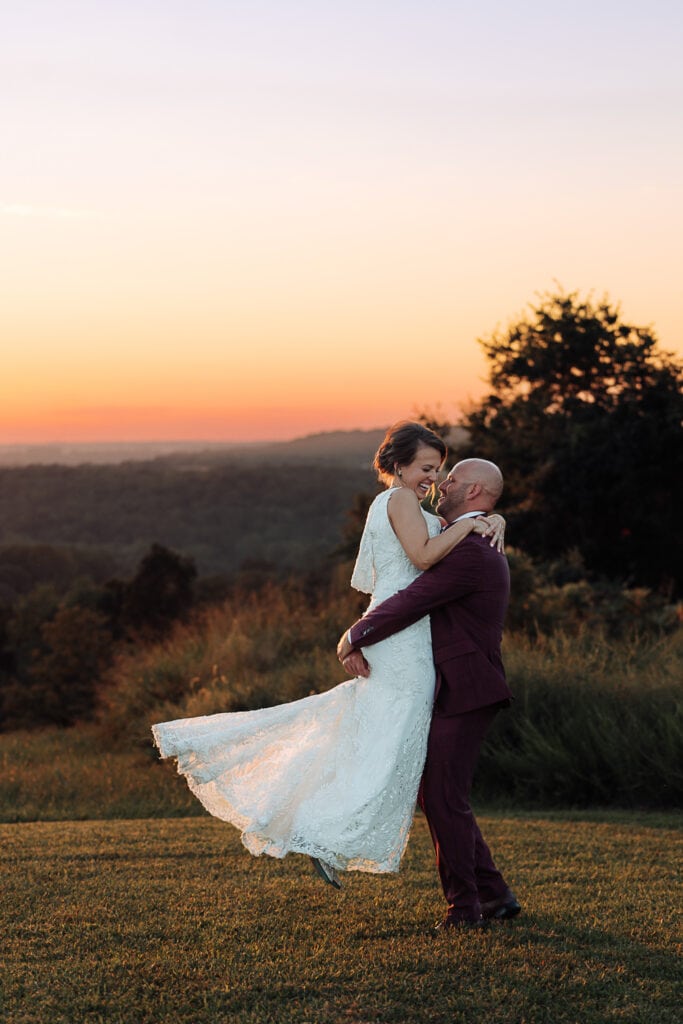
[466,596]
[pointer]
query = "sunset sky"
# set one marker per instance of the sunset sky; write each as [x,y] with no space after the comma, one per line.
[257,220]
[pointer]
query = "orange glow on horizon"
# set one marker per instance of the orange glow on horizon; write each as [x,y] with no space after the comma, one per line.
[292,397]
[93,425]
[230,229]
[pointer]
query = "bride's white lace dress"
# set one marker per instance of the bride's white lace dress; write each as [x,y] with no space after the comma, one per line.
[334,775]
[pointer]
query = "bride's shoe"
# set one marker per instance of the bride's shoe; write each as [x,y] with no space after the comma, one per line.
[326,872]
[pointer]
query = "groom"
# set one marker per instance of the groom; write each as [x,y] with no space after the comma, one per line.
[466,596]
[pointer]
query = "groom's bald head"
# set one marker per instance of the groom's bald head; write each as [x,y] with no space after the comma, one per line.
[472,485]
[482,472]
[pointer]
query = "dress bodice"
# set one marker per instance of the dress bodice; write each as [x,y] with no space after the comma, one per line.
[382,566]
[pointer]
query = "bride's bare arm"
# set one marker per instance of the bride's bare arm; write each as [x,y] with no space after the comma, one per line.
[405,516]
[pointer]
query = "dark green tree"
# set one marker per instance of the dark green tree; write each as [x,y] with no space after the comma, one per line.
[585,417]
[24,630]
[57,685]
[160,592]
[63,682]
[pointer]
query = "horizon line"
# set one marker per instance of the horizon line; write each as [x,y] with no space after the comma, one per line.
[188,440]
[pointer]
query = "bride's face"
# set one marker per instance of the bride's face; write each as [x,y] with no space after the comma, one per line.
[421,474]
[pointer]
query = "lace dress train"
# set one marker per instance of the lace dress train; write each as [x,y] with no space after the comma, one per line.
[334,775]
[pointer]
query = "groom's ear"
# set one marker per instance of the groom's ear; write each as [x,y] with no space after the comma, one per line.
[474,490]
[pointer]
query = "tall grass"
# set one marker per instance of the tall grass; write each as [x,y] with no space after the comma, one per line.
[596,720]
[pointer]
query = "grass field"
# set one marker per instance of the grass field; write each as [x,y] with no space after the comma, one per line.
[169,921]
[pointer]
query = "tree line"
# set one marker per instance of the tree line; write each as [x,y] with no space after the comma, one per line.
[96,520]
[54,649]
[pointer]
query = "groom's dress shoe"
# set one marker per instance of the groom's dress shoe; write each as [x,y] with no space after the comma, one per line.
[326,872]
[501,909]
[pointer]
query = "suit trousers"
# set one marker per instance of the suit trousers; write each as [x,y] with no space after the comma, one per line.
[468,874]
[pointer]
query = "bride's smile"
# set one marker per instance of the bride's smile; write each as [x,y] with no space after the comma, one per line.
[421,473]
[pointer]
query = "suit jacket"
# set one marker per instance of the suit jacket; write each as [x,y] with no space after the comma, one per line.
[466,595]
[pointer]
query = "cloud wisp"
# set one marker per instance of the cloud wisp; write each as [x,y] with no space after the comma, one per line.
[45,212]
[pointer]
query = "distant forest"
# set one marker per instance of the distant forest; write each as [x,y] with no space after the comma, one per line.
[286,510]
[584,415]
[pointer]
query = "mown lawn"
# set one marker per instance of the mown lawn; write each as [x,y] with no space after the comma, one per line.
[170,921]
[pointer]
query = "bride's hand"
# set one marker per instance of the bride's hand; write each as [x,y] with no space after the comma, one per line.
[492,526]
[352,659]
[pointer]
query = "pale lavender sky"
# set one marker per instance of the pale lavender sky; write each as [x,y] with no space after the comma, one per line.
[222,219]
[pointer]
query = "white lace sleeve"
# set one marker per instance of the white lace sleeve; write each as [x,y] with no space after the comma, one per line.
[363,575]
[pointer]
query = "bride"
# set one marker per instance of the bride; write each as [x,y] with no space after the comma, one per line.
[335,775]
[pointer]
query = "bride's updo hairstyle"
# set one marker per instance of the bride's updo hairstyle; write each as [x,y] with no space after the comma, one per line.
[400,446]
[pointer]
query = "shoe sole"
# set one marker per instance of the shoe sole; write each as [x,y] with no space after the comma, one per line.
[504,914]
[320,871]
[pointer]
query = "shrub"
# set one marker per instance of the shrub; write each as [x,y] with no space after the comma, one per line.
[557,596]
[595,721]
